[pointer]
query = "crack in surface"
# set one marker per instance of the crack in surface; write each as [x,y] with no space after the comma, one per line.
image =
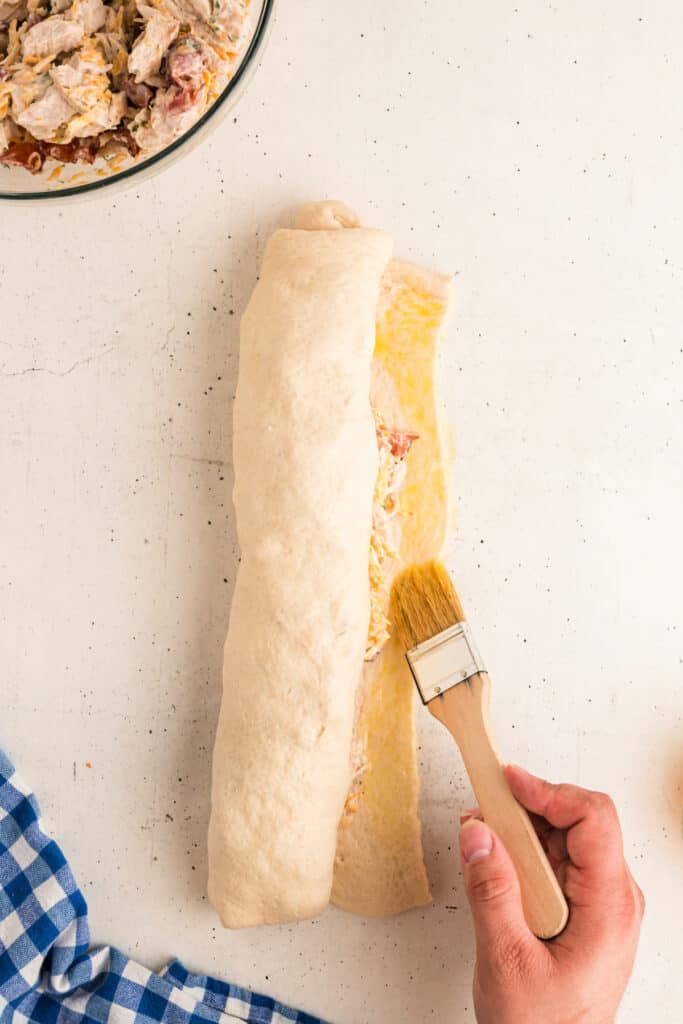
[169,334]
[59,373]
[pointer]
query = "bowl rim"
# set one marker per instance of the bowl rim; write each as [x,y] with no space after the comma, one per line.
[255,43]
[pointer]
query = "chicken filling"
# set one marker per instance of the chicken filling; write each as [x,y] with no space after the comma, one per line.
[86,78]
[393,446]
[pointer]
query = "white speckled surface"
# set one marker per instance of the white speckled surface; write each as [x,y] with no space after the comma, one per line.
[537,151]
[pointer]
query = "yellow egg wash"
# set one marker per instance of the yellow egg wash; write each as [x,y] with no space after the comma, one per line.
[379,868]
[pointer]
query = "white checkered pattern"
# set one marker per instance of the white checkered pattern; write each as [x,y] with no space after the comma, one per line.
[48,974]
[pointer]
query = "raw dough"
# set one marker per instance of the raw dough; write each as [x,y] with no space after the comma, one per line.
[315,752]
[305,464]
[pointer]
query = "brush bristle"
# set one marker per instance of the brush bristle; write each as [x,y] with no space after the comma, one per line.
[423,604]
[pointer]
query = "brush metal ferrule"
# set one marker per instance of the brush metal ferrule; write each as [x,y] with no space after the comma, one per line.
[449,658]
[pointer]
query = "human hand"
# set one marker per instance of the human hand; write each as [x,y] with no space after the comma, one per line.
[579,977]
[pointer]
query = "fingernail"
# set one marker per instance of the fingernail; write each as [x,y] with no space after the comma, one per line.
[476,841]
[473,812]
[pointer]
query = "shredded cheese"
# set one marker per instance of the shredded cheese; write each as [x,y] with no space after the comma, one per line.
[120,63]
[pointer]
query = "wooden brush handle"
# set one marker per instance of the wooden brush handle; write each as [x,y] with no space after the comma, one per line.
[464,710]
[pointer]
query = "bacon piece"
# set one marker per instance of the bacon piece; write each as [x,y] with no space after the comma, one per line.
[184,100]
[24,154]
[185,64]
[139,94]
[399,441]
[32,154]
[123,135]
[78,150]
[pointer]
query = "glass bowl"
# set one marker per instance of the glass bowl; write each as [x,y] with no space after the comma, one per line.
[16,183]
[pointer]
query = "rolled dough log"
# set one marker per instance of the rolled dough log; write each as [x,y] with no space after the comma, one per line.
[305,463]
[300,711]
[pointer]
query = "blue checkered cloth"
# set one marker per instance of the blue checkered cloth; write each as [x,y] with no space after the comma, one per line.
[48,974]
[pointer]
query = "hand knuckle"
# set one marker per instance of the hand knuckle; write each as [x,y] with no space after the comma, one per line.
[603,804]
[564,792]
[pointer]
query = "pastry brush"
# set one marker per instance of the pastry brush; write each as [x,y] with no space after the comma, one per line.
[453,683]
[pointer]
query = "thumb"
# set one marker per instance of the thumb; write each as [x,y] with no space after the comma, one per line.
[493,891]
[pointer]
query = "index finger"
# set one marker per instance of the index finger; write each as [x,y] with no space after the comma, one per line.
[594,840]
